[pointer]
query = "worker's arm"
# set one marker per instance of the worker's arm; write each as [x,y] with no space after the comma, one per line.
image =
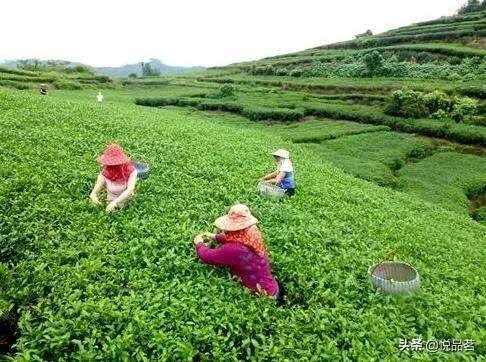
[100,182]
[269,176]
[278,178]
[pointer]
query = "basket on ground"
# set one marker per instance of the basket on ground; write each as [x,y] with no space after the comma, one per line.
[394,277]
[271,191]
[142,170]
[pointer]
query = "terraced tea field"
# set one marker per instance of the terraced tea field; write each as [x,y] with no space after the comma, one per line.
[373,183]
[88,284]
[25,79]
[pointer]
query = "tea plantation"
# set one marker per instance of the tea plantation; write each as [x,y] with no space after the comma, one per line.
[387,134]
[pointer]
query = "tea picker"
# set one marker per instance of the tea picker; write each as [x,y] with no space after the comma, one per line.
[44,89]
[118,176]
[242,250]
[281,181]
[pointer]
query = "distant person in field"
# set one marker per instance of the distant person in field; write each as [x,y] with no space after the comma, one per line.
[44,89]
[283,176]
[241,250]
[100,97]
[118,176]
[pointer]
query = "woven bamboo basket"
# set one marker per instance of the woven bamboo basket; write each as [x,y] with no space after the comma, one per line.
[142,170]
[395,277]
[270,191]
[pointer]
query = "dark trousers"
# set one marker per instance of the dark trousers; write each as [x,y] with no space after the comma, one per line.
[279,297]
[290,192]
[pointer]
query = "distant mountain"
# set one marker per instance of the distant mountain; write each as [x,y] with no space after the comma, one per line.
[122,71]
[8,63]
[136,68]
[15,63]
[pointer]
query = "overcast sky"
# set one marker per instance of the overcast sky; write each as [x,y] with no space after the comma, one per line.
[194,32]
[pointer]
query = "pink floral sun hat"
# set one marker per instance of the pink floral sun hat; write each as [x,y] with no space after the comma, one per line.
[114,155]
[238,218]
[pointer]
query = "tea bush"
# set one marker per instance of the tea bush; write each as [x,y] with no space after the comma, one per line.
[373,156]
[464,108]
[220,106]
[15,84]
[260,114]
[25,79]
[398,39]
[438,101]
[373,64]
[406,103]
[477,92]
[93,286]
[227,90]
[252,113]
[449,20]
[463,133]
[445,179]
[263,70]
[67,85]
[318,130]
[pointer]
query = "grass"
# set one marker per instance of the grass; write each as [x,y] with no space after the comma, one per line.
[445,179]
[88,285]
[371,156]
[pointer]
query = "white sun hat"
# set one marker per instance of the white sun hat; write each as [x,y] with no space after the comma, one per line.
[281,153]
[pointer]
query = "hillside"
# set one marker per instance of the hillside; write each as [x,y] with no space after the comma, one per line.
[426,80]
[120,72]
[388,138]
[27,79]
[89,284]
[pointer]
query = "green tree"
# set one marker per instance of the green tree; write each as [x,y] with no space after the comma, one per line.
[374,62]
[227,90]
[365,34]
[148,70]
[471,6]
[29,64]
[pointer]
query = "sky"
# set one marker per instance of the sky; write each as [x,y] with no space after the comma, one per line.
[195,32]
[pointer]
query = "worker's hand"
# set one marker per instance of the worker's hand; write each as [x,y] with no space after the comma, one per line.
[94,199]
[210,236]
[111,206]
[198,239]
[260,290]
